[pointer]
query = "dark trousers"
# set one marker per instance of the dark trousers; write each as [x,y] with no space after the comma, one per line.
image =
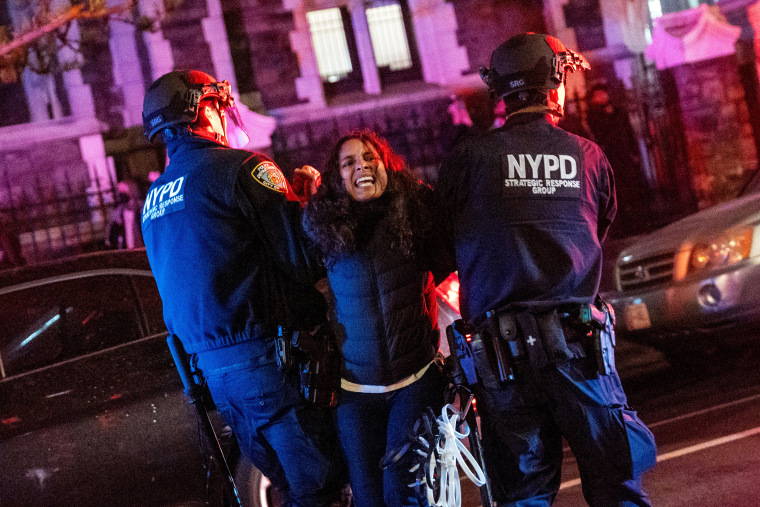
[523,429]
[280,432]
[370,425]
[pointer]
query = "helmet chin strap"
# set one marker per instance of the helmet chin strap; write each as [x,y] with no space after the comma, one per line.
[212,136]
[212,129]
[555,108]
[221,139]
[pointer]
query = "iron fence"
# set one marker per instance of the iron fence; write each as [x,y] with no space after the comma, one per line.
[421,132]
[56,220]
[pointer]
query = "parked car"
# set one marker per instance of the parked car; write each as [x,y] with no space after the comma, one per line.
[92,410]
[694,285]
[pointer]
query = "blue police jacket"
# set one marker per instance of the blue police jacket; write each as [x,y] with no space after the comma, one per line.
[225,246]
[526,207]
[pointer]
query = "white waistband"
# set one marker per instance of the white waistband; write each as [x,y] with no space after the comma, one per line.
[359,388]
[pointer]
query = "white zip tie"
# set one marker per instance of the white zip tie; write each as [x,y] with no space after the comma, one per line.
[452,452]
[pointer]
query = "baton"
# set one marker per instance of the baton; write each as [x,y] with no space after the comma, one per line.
[476,446]
[194,392]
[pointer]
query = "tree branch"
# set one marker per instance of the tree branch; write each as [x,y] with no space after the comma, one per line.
[75,12]
[32,35]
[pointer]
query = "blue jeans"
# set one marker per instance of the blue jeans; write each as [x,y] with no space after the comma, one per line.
[522,438]
[370,425]
[279,431]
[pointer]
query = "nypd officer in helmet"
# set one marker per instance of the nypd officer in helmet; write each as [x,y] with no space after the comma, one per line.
[527,207]
[221,229]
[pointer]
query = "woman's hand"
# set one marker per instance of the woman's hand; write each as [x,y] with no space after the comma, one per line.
[306,180]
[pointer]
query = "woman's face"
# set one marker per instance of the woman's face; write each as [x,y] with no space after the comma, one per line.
[363,173]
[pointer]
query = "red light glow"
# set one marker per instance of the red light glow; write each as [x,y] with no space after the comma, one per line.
[448,291]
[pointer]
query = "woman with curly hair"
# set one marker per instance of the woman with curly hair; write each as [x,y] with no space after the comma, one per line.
[371,223]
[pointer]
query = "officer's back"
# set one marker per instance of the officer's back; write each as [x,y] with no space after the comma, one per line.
[526,208]
[546,198]
[220,271]
[222,232]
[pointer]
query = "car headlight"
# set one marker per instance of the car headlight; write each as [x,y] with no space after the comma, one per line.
[727,249]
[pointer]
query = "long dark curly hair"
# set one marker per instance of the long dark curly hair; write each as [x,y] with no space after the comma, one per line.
[337,224]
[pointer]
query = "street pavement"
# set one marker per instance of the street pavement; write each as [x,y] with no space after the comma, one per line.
[707,428]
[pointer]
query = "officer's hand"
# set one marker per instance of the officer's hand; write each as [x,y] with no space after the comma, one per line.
[306,180]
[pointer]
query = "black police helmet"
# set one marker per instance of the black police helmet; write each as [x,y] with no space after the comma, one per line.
[530,61]
[172,100]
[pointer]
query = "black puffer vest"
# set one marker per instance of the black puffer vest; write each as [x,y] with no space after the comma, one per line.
[386,311]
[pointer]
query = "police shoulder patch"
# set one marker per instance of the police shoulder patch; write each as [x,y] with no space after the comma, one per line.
[268,174]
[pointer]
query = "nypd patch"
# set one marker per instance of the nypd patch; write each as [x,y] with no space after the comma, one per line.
[541,174]
[163,200]
[268,174]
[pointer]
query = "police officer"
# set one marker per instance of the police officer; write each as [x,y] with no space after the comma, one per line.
[526,208]
[221,229]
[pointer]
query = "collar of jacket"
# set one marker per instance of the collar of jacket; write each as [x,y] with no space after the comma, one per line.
[190,142]
[521,117]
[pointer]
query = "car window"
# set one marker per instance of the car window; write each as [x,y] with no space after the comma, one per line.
[51,323]
[150,301]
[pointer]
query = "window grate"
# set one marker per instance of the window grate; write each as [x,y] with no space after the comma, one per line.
[330,45]
[388,35]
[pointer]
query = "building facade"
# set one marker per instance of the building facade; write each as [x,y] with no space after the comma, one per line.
[305,71]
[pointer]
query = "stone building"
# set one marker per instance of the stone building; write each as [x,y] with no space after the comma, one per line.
[687,71]
[305,71]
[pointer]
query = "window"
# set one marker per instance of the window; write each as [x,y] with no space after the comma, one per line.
[386,29]
[12,97]
[13,104]
[330,44]
[150,302]
[45,325]
[335,50]
[386,32]
[659,7]
[585,16]
[655,8]
[393,42]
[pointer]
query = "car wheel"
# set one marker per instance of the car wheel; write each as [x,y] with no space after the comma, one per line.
[254,489]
